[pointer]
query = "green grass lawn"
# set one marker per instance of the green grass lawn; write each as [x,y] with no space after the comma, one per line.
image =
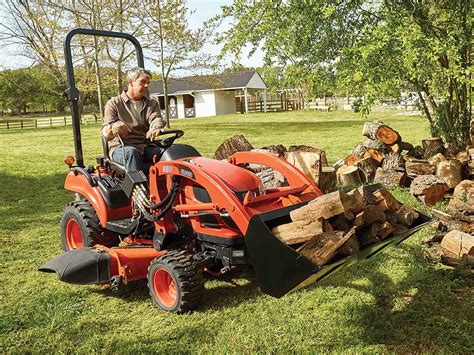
[398,301]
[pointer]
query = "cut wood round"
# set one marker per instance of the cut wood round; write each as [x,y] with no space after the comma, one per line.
[348,175]
[458,243]
[390,178]
[450,171]
[327,180]
[368,166]
[387,135]
[393,161]
[237,143]
[375,154]
[432,146]
[406,215]
[370,129]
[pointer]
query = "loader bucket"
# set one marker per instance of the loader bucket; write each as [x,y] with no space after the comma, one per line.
[280,269]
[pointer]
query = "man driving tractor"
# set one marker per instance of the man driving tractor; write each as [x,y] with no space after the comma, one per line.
[136,119]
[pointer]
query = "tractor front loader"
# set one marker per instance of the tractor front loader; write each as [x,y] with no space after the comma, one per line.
[186,216]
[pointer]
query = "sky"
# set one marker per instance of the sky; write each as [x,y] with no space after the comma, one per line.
[204,10]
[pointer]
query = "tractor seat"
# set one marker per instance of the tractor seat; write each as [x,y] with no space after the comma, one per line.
[115,166]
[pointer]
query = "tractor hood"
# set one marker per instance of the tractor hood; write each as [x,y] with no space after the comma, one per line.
[237,178]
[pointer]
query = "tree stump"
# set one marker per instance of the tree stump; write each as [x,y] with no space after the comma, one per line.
[450,171]
[367,166]
[429,189]
[237,143]
[432,146]
[348,175]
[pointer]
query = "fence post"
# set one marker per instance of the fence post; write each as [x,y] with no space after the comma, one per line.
[8,126]
[50,122]
[36,123]
[21,124]
[64,120]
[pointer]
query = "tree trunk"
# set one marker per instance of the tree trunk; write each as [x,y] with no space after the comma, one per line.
[433,146]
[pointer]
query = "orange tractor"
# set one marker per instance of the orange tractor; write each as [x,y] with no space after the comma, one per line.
[188,216]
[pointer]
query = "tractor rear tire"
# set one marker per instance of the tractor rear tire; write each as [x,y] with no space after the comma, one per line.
[175,282]
[80,227]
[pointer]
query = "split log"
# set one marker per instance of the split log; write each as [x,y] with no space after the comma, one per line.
[271,178]
[308,162]
[307,148]
[367,193]
[375,144]
[340,222]
[324,246]
[350,247]
[367,167]
[419,167]
[386,201]
[375,154]
[416,152]
[463,198]
[359,202]
[393,161]
[370,214]
[390,178]
[338,164]
[450,171]
[327,179]
[237,143]
[437,158]
[432,146]
[278,149]
[385,230]
[458,243]
[368,235]
[359,150]
[351,160]
[348,175]
[326,206]
[301,231]
[429,189]
[406,215]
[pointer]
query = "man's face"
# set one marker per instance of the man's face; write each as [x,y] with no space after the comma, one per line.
[140,86]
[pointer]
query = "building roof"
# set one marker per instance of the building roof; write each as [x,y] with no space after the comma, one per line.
[248,79]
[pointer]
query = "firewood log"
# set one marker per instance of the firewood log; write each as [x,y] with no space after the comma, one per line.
[375,154]
[458,243]
[370,129]
[338,164]
[326,206]
[359,150]
[349,175]
[358,205]
[390,178]
[350,247]
[369,215]
[308,162]
[393,161]
[399,229]
[463,157]
[386,201]
[322,248]
[379,131]
[406,215]
[368,235]
[327,179]
[437,158]
[367,193]
[375,144]
[416,152]
[307,148]
[450,171]
[278,149]
[429,189]
[404,146]
[368,166]
[301,231]
[419,167]
[432,146]
[385,230]
[237,143]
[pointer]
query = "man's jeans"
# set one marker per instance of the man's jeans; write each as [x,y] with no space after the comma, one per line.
[134,160]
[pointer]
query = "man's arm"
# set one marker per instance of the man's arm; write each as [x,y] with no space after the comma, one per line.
[155,120]
[112,126]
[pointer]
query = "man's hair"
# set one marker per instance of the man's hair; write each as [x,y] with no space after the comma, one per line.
[134,73]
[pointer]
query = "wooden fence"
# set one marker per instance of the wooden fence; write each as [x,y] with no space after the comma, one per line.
[45,122]
[272,106]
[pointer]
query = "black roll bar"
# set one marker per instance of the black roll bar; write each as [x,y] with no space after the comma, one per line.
[73,94]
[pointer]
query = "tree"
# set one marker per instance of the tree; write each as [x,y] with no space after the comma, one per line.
[373,48]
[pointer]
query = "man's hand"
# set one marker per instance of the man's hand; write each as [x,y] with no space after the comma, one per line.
[120,129]
[152,134]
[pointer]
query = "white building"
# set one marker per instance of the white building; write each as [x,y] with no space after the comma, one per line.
[208,95]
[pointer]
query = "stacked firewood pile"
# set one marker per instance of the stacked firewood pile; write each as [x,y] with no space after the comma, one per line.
[341,224]
[431,170]
[310,160]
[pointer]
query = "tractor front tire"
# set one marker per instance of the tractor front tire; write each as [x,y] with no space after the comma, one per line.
[80,227]
[175,282]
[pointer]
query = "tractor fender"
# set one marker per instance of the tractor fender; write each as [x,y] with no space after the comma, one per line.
[78,183]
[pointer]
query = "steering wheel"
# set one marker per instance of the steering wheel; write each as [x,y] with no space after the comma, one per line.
[168,142]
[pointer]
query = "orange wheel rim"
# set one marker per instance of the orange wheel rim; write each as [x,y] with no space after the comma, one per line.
[164,288]
[73,234]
